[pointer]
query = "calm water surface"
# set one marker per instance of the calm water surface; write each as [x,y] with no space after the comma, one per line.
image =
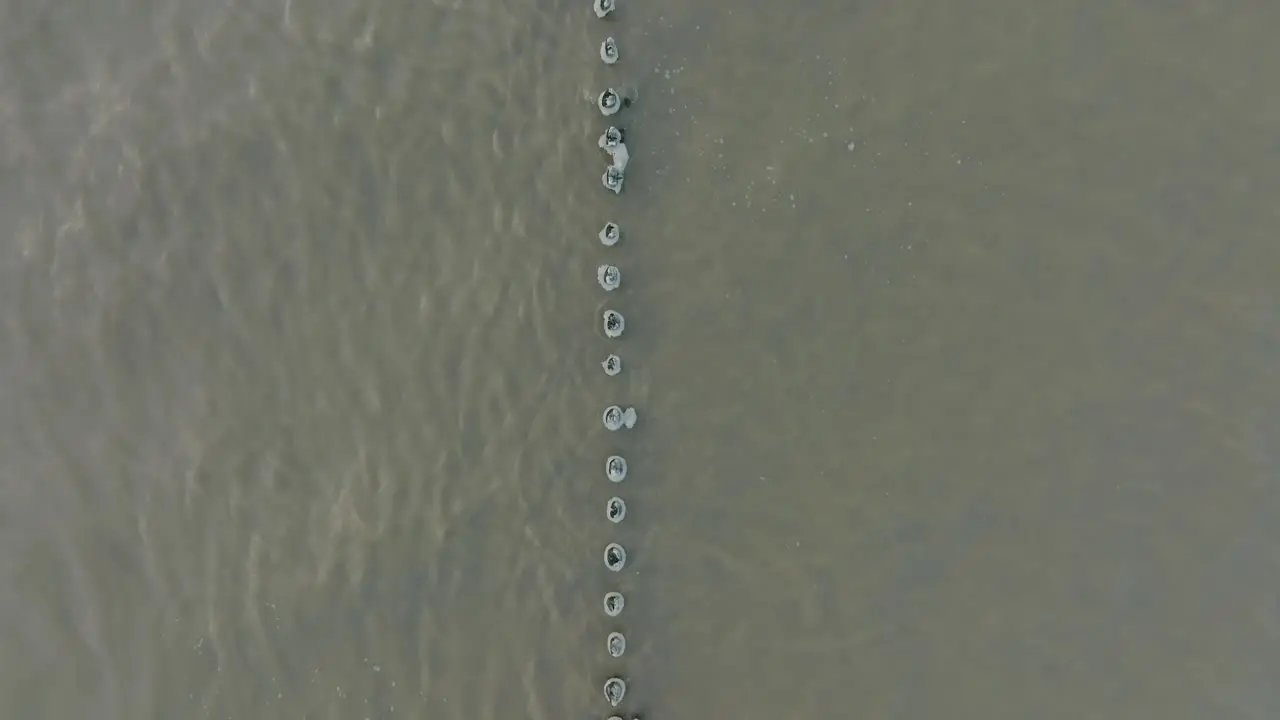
[953,333]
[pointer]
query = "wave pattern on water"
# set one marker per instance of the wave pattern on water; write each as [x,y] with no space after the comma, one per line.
[285,316]
[962,317]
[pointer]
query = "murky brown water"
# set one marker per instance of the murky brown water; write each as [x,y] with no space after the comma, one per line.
[952,330]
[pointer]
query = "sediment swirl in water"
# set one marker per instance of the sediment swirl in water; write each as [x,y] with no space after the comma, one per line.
[614,690]
[614,603]
[610,138]
[615,557]
[615,418]
[612,180]
[610,234]
[620,156]
[612,141]
[609,277]
[615,509]
[609,51]
[614,324]
[616,644]
[609,102]
[615,468]
[612,365]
